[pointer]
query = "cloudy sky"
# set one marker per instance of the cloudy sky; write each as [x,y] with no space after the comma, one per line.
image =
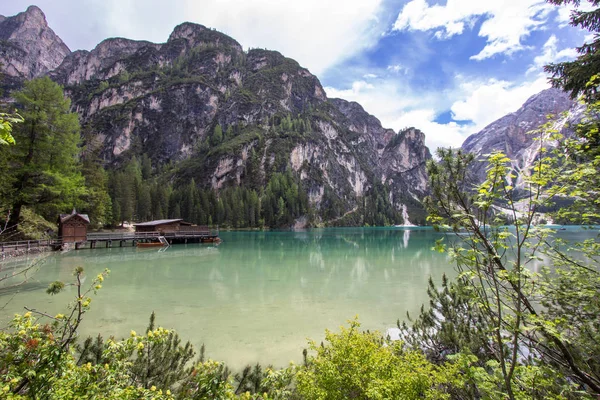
[448,67]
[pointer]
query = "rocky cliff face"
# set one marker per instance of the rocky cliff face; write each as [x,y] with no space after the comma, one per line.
[28,47]
[169,100]
[514,134]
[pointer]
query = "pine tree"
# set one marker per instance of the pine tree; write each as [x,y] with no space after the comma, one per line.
[573,76]
[144,203]
[229,133]
[163,364]
[146,167]
[45,172]
[96,202]
[217,136]
[253,172]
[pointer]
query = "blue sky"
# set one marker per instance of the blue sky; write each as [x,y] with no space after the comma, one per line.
[448,67]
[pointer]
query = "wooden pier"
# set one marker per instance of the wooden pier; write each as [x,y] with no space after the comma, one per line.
[187,236]
[110,239]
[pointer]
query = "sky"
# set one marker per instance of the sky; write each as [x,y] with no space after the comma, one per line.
[449,67]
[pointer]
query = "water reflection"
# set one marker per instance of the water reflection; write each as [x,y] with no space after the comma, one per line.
[258,295]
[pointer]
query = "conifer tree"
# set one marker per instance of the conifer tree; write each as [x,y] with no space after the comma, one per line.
[144,203]
[96,202]
[163,364]
[229,133]
[217,136]
[573,76]
[146,167]
[45,171]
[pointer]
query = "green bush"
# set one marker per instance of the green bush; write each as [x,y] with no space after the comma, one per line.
[362,365]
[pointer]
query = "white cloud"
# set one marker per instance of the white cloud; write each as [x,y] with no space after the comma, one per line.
[316,33]
[485,102]
[589,38]
[398,107]
[383,98]
[478,102]
[563,16]
[551,54]
[436,134]
[397,68]
[506,22]
[369,76]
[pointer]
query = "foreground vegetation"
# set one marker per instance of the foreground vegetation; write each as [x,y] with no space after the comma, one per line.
[498,331]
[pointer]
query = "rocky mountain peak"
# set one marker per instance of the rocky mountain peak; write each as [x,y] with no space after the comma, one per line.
[33,17]
[511,134]
[196,34]
[186,30]
[413,135]
[362,122]
[30,48]
[118,46]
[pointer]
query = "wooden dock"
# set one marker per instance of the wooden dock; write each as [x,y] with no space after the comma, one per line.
[110,239]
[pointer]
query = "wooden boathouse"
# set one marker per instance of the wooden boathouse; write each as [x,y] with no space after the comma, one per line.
[167,231]
[73,232]
[72,228]
[163,226]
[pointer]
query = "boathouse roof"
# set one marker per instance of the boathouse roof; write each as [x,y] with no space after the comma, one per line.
[62,218]
[163,222]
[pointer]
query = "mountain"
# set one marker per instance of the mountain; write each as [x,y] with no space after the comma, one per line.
[28,47]
[202,108]
[512,135]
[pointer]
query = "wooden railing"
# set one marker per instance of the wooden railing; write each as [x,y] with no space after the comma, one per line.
[122,236]
[187,233]
[194,228]
[29,244]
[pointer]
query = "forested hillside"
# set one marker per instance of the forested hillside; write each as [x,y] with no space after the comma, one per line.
[198,128]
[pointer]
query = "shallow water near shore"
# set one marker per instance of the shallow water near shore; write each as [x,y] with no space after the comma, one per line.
[257,296]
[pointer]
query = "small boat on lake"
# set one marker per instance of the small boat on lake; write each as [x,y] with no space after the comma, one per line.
[161,242]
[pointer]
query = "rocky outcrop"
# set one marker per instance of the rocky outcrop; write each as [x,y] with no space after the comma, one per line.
[403,163]
[515,134]
[399,158]
[28,47]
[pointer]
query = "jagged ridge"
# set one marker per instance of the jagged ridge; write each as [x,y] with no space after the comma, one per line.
[166,100]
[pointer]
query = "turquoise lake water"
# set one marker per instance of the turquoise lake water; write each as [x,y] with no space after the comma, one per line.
[256,297]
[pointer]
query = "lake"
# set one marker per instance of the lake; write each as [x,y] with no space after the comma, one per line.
[257,296]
